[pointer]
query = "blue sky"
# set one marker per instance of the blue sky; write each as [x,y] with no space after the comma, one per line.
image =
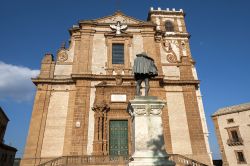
[28,29]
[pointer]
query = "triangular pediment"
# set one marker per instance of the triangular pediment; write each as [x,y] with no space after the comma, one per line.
[119,16]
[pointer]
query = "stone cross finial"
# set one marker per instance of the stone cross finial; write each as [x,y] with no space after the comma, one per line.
[63,45]
[118,27]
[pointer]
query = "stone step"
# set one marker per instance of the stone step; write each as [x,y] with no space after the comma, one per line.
[112,161]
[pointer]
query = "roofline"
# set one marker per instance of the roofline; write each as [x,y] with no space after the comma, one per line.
[120,13]
[217,113]
[165,12]
[4,146]
[4,113]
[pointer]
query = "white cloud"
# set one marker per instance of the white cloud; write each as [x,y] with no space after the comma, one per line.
[15,82]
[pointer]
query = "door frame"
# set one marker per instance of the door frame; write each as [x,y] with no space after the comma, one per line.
[129,131]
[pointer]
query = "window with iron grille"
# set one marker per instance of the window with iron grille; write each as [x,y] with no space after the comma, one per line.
[169,26]
[234,136]
[117,53]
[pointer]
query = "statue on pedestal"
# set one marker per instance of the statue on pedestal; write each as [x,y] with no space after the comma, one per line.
[143,69]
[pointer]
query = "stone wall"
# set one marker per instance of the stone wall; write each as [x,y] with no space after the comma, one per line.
[54,134]
[83,76]
[241,121]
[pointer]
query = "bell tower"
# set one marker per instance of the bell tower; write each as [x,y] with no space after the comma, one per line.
[186,116]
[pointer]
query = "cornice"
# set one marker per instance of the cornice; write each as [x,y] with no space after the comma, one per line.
[87,22]
[119,13]
[142,24]
[165,12]
[95,77]
[52,81]
[99,77]
[177,34]
[107,77]
[182,82]
[73,30]
[113,34]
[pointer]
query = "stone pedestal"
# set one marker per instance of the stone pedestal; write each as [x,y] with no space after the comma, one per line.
[147,136]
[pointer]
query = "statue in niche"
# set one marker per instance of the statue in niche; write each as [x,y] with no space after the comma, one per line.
[143,69]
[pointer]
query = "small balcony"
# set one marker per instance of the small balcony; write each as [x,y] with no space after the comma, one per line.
[235,142]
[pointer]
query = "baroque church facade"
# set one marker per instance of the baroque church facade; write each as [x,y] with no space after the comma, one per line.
[80,106]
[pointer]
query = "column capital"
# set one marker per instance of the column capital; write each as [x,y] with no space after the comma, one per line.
[146,105]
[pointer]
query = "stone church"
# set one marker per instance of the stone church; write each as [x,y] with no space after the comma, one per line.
[80,106]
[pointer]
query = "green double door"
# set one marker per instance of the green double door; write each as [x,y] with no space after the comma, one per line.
[118,137]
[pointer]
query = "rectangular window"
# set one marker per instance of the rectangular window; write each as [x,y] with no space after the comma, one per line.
[235,136]
[117,53]
[230,120]
[240,157]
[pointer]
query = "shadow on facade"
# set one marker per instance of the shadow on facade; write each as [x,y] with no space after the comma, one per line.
[159,152]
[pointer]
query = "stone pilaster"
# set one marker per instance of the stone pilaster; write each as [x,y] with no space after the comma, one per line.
[222,151]
[47,67]
[34,141]
[84,60]
[186,68]
[80,118]
[69,124]
[100,135]
[200,153]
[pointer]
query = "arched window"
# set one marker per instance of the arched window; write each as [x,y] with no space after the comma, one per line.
[169,26]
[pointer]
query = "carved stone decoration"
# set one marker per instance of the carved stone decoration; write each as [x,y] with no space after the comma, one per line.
[171,58]
[146,106]
[158,38]
[118,28]
[62,56]
[100,108]
[118,79]
[167,46]
[148,109]
[100,127]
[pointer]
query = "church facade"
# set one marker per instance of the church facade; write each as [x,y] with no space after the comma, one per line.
[80,106]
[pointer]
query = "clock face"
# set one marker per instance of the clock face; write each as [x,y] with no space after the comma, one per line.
[62,56]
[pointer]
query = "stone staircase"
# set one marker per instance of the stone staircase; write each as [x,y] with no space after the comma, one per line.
[112,161]
[184,161]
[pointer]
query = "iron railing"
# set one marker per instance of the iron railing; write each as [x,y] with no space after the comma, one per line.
[235,142]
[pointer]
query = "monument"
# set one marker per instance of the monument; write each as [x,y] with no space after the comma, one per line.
[147,137]
[144,69]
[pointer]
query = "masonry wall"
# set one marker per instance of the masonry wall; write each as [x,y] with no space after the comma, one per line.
[241,120]
[63,122]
